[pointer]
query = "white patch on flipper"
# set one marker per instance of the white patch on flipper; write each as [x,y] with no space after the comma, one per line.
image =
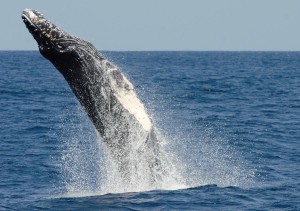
[126,95]
[130,101]
[134,106]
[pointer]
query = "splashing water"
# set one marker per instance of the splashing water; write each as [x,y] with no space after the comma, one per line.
[87,167]
[210,159]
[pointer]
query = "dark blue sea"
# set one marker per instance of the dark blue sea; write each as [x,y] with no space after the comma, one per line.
[231,121]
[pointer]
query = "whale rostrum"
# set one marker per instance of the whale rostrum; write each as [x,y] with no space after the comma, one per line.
[107,96]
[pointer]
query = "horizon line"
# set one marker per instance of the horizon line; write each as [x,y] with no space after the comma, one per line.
[173,50]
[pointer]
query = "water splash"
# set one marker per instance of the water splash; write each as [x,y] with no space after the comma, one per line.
[113,183]
[189,158]
[209,157]
[88,168]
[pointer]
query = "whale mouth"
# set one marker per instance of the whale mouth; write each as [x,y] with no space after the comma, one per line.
[53,43]
[38,25]
[47,35]
[30,19]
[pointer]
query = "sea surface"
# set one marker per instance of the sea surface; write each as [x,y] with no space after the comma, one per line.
[230,120]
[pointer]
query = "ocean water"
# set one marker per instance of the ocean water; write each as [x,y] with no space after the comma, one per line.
[230,121]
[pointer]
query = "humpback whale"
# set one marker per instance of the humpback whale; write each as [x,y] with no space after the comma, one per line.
[106,95]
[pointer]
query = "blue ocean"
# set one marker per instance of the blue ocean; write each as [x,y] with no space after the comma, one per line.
[230,122]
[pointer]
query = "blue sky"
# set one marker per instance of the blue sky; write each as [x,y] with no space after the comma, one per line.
[232,25]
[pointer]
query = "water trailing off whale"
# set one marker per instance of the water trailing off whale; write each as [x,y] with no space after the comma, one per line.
[106,95]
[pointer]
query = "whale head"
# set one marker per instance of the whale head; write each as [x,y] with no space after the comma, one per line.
[68,53]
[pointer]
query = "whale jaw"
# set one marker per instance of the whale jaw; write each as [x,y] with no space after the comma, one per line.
[47,35]
[62,49]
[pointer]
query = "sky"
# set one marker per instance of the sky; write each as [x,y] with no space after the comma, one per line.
[136,25]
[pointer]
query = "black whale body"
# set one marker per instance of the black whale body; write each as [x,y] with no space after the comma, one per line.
[106,95]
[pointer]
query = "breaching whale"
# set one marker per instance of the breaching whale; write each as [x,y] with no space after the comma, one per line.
[107,96]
